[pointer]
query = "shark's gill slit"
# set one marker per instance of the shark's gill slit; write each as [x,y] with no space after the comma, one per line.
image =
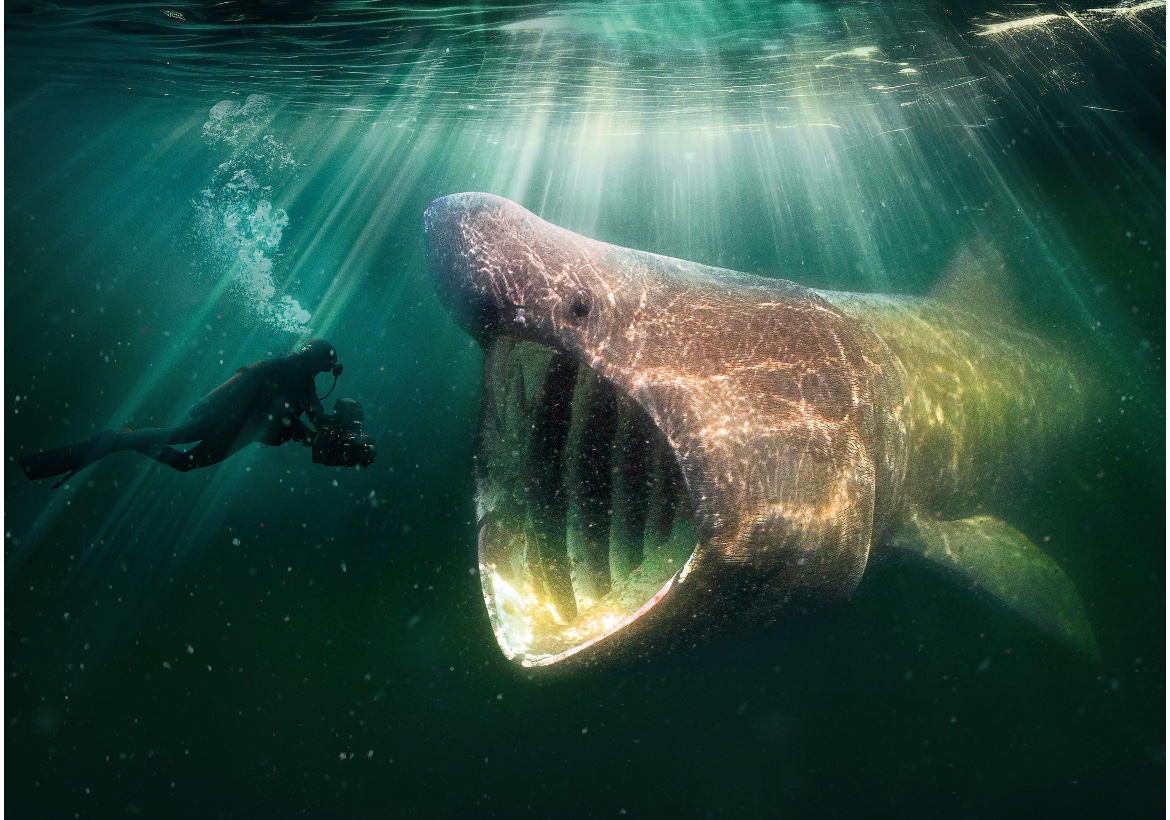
[584,506]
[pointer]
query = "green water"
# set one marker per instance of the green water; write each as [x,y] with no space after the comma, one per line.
[271,638]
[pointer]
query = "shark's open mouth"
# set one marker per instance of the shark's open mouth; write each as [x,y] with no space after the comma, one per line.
[584,517]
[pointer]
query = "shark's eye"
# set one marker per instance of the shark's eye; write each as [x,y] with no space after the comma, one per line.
[579,307]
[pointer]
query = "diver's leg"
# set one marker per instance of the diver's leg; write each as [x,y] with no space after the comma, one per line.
[72,458]
[205,453]
[146,439]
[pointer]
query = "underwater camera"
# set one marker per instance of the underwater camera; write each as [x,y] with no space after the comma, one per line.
[339,441]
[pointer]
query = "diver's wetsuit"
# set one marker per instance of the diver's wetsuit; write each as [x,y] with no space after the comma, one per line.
[262,402]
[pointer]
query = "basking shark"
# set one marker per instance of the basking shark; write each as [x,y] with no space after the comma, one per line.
[668,449]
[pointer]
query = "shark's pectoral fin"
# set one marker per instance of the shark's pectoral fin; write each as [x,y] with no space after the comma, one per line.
[1000,560]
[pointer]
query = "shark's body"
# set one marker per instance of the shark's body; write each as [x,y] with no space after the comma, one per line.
[667,447]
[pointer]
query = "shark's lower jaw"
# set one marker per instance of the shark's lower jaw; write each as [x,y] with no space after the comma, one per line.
[584,518]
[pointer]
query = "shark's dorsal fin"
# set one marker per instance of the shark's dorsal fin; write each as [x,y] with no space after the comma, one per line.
[977,279]
[999,559]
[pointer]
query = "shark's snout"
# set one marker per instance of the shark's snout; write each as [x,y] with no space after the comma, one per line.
[459,265]
[500,269]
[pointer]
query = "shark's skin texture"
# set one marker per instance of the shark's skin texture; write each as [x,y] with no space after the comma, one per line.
[810,428]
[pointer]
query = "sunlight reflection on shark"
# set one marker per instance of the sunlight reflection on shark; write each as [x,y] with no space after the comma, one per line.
[669,450]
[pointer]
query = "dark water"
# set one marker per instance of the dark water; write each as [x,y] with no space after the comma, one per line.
[188,187]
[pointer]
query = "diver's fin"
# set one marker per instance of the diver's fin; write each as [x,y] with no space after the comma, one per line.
[68,476]
[70,459]
[49,463]
[977,278]
[1000,560]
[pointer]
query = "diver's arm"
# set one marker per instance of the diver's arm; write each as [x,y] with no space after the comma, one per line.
[300,432]
[315,410]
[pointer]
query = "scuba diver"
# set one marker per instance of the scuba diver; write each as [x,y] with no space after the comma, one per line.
[263,402]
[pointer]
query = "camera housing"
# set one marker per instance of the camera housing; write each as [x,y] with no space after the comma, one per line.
[340,442]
